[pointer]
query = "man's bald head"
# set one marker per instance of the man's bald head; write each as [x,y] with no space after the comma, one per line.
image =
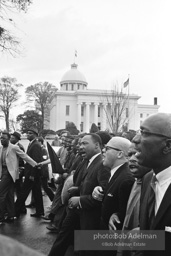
[116,152]
[154,142]
[159,123]
[120,143]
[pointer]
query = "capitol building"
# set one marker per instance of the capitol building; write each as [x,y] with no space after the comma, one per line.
[74,102]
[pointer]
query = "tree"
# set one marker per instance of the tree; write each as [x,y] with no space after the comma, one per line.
[94,128]
[8,96]
[115,106]
[41,94]
[29,118]
[71,127]
[8,42]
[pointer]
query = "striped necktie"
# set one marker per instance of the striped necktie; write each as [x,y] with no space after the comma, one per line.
[152,201]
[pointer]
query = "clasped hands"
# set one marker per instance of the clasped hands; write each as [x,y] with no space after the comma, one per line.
[74,202]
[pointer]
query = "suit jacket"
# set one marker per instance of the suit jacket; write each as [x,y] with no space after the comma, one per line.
[44,168]
[95,175]
[116,196]
[35,152]
[162,218]
[12,160]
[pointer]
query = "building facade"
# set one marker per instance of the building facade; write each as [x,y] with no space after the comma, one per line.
[74,102]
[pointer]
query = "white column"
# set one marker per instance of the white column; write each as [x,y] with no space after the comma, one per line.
[104,117]
[78,116]
[95,113]
[87,123]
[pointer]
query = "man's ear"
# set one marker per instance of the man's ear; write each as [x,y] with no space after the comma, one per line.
[167,148]
[120,154]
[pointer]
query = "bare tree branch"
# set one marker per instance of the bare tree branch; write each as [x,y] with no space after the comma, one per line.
[8,42]
[115,103]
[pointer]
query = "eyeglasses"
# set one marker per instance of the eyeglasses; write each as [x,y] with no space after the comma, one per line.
[108,147]
[146,133]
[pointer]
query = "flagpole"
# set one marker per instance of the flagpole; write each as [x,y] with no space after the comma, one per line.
[128,99]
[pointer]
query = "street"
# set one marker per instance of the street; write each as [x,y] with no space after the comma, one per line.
[31,231]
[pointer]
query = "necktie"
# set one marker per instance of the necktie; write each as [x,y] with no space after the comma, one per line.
[151,201]
[132,218]
[84,170]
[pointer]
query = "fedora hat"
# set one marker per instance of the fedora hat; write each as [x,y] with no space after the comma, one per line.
[17,135]
[33,129]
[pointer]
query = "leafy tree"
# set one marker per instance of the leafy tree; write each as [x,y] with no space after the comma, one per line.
[8,96]
[94,128]
[71,127]
[8,42]
[29,118]
[41,94]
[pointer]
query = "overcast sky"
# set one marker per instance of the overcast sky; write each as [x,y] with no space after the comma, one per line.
[113,38]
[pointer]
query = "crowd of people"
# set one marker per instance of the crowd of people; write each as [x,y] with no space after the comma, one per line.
[108,183]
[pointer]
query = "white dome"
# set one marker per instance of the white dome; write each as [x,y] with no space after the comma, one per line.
[73,75]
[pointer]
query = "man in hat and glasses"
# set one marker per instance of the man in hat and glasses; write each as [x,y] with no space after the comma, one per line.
[32,177]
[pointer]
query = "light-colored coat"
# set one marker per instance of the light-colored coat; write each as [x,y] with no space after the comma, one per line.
[12,161]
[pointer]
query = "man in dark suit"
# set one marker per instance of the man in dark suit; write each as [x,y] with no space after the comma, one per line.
[32,176]
[117,191]
[154,151]
[84,205]
[96,174]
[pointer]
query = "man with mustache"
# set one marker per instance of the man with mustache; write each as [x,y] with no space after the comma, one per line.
[86,210]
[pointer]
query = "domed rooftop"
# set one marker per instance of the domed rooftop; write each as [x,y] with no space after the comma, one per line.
[73,75]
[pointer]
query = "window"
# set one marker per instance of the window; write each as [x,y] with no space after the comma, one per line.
[72,87]
[66,87]
[67,110]
[141,115]
[98,111]
[127,114]
[78,86]
[82,110]
[81,127]
[99,126]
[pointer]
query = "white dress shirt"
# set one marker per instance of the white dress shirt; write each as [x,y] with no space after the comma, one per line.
[163,182]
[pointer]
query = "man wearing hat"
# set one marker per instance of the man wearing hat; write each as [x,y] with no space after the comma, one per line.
[32,177]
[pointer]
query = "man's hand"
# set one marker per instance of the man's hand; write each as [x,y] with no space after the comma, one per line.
[113,219]
[65,175]
[74,202]
[39,165]
[98,193]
